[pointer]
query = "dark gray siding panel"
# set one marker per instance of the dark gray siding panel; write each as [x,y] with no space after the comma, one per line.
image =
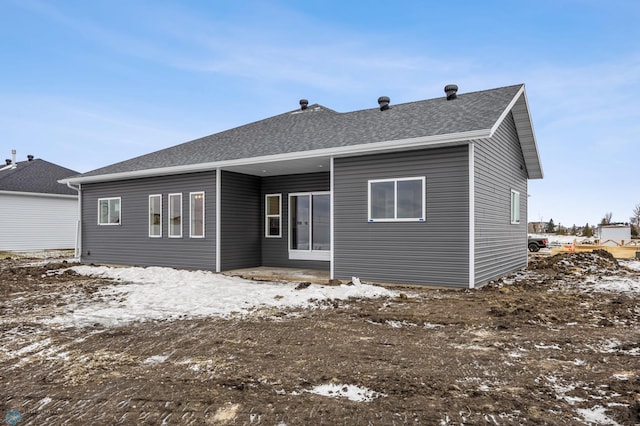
[499,167]
[129,242]
[275,251]
[434,252]
[240,226]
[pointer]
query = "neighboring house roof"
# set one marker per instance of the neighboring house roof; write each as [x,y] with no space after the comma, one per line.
[321,132]
[35,176]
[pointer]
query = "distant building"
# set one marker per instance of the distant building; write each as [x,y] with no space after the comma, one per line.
[36,212]
[537,227]
[614,234]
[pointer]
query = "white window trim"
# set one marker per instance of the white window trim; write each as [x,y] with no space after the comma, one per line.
[169,225]
[324,255]
[191,214]
[109,209]
[152,196]
[268,216]
[395,218]
[515,207]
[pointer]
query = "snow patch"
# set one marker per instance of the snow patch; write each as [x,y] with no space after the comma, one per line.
[596,415]
[157,293]
[351,392]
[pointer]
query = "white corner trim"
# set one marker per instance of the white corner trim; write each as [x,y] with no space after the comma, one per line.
[218,209]
[331,221]
[472,220]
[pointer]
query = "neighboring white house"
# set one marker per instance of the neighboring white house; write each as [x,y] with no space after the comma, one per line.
[616,234]
[36,212]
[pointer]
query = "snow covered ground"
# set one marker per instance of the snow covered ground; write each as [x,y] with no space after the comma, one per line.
[155,293]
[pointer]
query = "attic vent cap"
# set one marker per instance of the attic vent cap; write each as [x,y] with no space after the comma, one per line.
[384,101]
[451,90]
[30,157]
[304,104]
[8,161]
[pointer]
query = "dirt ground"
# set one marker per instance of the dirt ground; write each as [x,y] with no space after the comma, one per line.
[538,347]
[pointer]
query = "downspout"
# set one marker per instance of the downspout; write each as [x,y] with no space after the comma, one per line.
[78,246]
[472,216]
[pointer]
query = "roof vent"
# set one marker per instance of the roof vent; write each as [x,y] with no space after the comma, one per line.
[383,101]
[304,104]
[29,157]
[451,90]
[8,161]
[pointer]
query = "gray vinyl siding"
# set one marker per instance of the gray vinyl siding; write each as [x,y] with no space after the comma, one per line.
[129,243]
[434,252]
[240,226]
[275,251]
[500,247]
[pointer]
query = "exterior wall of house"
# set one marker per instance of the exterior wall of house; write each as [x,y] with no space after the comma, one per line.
[37,221]
[434,252]
[241,225]
[500,247]
[129,243]
[275,251]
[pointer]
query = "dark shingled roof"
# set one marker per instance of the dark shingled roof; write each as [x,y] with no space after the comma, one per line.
[37,176]
[321,128]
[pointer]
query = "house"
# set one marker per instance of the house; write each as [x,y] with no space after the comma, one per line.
[36,211]
[430,192]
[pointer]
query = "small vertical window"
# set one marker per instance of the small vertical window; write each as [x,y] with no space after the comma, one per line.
[401,200]
[109,211]
[196,214]
[175,215]
[155,216]
[273,216]
[515,207]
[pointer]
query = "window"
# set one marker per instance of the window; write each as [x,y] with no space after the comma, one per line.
[175,215]
[109,211]
[515,207]
[155,215]
[309,226]
[273,216]
[392,200]
[196,215]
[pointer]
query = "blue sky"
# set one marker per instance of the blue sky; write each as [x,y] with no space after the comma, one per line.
[84,84]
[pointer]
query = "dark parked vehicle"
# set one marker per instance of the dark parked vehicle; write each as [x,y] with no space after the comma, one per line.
[535,244]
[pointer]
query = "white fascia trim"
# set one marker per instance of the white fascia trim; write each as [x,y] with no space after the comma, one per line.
[367,148]
[506,111]
[38,194]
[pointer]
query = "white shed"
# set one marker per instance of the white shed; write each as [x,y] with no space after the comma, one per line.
[612,235]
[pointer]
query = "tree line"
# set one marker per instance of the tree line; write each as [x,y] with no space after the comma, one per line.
[589,231]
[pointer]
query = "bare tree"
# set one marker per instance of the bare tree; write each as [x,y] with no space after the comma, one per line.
[635,219]
[606,220]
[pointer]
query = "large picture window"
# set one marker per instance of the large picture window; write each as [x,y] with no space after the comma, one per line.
[515,207]
[309,226]
[155,216]
[273,216]
[175,215]
[196,215]
[109,211]
[401,200]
